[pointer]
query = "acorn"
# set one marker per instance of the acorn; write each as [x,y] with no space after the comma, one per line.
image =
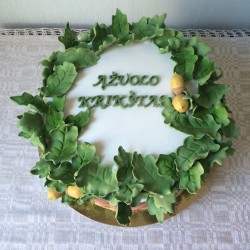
[53,194]
[177,84]
[74,192]
[180,104]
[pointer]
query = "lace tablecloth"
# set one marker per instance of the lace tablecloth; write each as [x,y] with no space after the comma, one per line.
[218,220]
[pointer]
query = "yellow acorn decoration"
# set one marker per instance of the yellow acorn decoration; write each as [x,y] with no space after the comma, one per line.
[53,194]
[74,192]
[177,84]
[180,104]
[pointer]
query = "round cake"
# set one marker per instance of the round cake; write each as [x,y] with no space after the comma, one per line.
[128,118]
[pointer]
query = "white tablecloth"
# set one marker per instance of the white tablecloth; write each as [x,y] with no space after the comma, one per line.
[218,220]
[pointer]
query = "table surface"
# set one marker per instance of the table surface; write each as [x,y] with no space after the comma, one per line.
[220,219]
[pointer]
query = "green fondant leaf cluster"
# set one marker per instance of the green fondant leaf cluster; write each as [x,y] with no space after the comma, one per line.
[65,161]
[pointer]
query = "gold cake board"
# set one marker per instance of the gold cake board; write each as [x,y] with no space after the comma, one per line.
[139,218]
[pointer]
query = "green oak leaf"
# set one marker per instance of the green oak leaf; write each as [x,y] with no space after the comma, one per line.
[189,41]
[179,34]
[191,179]
[166,166]
[138,199]
[59,102]
[127,192]
[169,112]
[48,64]
[84,45]
[203,70]
[102,38]
[192,106]
[110,198]
[164,50]
[192,41]
[81,57]
[153,210]
[43,168]
[53,119]
[230,130]
[62,144]
[174,43]
[146,172]
[31,125]
[66,199]
[126,39]
[203,111]
[124,194]
[217,74]
[27,99]
[201,49]
[136,188]
[124,162]
[158,20]
[221,114]
[216,157]
[85,154]
[123,213]
[85,37]
[59,186]
[165,202]
[98,180]
[69,38]
[120,26]
[86,198]
[144,30]
[163,41]
[159,205]
[64,173]
[128,188]
[80,120]
[196,126]
[211,94]
[61,80]
[110,40]
[185,59]
[193,150]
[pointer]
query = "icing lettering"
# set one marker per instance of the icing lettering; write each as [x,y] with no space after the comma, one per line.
[122,80]
[123,101]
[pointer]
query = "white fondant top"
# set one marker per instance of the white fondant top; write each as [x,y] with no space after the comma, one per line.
[137,128]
